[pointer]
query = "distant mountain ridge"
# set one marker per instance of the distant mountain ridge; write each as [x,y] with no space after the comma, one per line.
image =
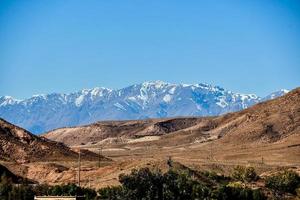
[155,99]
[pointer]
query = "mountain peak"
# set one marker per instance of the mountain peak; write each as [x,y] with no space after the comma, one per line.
[276,94]
[157,84]
[151,99]
[8,100]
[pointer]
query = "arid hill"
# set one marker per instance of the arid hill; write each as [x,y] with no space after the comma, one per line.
[19,145]
[269,121]
[14,178]
[120,130]
[265,136]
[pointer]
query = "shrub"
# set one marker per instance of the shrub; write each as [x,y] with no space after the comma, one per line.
[9,191]
[111,193]
[179,185]
[5,187]
[227,192]
[286,181]
[143,184]
[151,185]
[71,189]
[244,174]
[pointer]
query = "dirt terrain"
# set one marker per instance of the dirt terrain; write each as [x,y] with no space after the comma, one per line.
[266,136]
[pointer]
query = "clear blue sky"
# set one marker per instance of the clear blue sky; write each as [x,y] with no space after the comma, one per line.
[64,46]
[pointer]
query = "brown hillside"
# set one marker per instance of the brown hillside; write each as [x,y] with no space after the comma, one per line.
[265,122]
[19,145]
[8,174]
[265,136]
[126,129]
[269,121]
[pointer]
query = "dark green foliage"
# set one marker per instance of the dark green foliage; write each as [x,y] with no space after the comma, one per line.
[216,177]
[154,185]
[10,191]
[286,181]
[179,185]
[42,190]
[227,193]
[112,193]
[5,187]
[66,190]
[245,174]
[145,184]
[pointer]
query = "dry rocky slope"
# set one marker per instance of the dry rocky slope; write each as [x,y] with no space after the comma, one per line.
[269,122]
[14,178]
[19,145]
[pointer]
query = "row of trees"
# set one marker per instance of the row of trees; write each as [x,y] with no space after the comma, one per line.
[175,185]
[149,184]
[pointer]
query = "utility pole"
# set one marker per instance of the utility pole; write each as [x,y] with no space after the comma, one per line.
[79,162]
[211,154]
[99,156]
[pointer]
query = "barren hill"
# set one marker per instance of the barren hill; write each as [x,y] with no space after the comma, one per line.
[119,129]
[265,136]
[265,122]
[17,144]
[14,178]
[270,121]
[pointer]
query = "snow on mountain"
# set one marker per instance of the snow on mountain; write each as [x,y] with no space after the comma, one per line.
[8,100]
[276,94]
[153,99]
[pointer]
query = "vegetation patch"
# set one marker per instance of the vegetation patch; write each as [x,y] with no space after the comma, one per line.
[286,181]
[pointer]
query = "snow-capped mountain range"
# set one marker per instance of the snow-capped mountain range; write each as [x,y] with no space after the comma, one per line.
[154,99]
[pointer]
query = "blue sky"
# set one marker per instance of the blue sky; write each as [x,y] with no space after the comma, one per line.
[64,46]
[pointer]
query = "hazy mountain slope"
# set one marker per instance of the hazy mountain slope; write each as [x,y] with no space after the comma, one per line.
[17,144]
[147,100]
[269,121]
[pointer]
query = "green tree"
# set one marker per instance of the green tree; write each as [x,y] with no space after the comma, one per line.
[5,187]
[143,184]
[244,174]
[286,181]
[112,193]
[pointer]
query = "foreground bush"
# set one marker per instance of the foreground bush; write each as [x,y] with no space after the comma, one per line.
[173,185]
[228,192]
[9,191]
[286,181]
[112,193]
[153,185]
[245,174]
[65,190]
